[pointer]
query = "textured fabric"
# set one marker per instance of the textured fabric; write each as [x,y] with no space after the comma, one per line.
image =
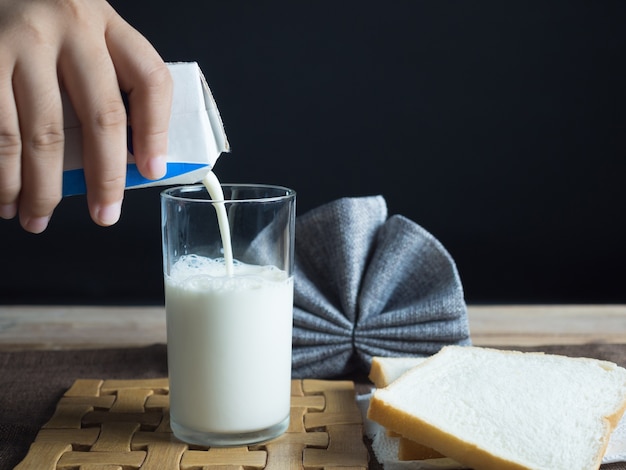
[368,285]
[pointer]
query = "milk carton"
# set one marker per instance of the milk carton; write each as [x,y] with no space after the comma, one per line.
[196,136]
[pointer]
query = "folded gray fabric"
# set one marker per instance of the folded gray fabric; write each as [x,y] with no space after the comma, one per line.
[367,285]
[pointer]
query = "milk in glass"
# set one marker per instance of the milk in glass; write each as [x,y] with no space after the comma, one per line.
[228,339]
[229,329]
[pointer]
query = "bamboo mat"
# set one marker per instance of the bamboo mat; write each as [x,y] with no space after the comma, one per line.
[125,424]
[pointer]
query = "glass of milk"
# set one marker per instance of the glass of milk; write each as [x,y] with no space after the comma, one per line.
[229,300]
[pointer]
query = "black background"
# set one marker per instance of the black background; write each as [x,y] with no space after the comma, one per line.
[500,127]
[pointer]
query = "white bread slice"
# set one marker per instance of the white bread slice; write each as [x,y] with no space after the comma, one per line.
[506,410]
[383,371]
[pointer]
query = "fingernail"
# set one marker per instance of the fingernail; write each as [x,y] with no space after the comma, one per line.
[157,166]
[8,211]
[36,224]
[108,215]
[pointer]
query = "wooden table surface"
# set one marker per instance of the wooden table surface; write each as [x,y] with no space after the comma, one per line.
[64,327]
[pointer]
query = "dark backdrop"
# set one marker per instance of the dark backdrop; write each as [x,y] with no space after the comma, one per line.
[500,127]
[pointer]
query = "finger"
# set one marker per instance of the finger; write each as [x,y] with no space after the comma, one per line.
[145,77]
[40,115]
[10,146]
[89,78]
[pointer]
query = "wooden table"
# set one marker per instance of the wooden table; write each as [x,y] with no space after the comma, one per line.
[42,329]
[65,327]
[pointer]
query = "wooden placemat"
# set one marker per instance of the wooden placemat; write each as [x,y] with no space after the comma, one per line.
[124,424]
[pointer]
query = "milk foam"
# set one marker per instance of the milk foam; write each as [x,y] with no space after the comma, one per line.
[193,272]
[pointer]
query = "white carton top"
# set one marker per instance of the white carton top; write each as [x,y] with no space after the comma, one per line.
[195,142]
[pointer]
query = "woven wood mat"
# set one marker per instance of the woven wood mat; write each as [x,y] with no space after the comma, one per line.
[124,424]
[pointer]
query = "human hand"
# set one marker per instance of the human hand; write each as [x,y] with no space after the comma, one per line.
[85,47]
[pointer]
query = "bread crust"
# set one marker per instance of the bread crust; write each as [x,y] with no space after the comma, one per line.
[420,431]
[411,450]
[377,374]
[612,420]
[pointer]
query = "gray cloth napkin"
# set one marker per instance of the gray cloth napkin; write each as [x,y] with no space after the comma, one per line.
[368,285]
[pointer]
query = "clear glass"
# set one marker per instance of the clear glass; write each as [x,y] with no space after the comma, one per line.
[229,334]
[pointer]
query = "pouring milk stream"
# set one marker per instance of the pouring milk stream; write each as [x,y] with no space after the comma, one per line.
[213,186]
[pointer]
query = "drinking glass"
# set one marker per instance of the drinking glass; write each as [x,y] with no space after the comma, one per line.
[228,330]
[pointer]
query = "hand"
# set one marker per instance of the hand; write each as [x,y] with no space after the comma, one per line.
[85,47]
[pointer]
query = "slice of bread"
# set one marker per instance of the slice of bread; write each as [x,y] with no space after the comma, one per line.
[383,371]
[506,410]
